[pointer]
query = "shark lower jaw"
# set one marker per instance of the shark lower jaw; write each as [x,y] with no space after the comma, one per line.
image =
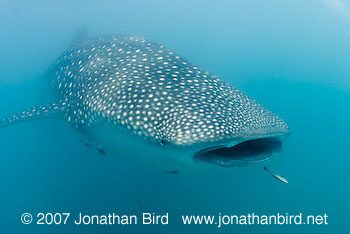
[245,153]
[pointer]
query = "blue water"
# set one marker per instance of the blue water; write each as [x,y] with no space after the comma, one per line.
[291,56]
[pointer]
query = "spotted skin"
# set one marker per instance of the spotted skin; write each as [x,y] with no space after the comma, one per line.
[133,85]
[141,86]
[36,113]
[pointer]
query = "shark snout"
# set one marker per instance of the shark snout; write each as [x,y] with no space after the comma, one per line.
[267,126]
[254,144]
[254,136]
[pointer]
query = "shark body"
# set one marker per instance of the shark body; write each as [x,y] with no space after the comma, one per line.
[139,100]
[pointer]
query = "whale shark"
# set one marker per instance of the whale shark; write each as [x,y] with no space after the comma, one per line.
[131,97]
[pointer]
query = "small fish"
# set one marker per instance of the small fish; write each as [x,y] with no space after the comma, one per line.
[172,172]
[278,177]
[140,203]
[101,151]
[93,146]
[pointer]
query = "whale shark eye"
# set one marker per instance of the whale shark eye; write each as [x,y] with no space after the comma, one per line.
[163,142]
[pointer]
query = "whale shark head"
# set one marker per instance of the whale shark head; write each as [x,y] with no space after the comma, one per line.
[225,126]
[133,86]
[228,127]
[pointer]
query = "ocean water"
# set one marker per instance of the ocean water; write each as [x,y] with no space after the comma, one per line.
[291,56]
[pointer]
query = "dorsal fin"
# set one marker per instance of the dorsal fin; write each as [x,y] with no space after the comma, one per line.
[80,35]
[54,110]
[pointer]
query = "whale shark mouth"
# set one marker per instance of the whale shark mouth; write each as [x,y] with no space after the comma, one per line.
[242,154]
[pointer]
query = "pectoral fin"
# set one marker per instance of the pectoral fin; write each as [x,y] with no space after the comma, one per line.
[54,110]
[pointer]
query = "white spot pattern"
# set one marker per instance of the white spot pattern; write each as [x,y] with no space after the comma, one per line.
[141,86]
